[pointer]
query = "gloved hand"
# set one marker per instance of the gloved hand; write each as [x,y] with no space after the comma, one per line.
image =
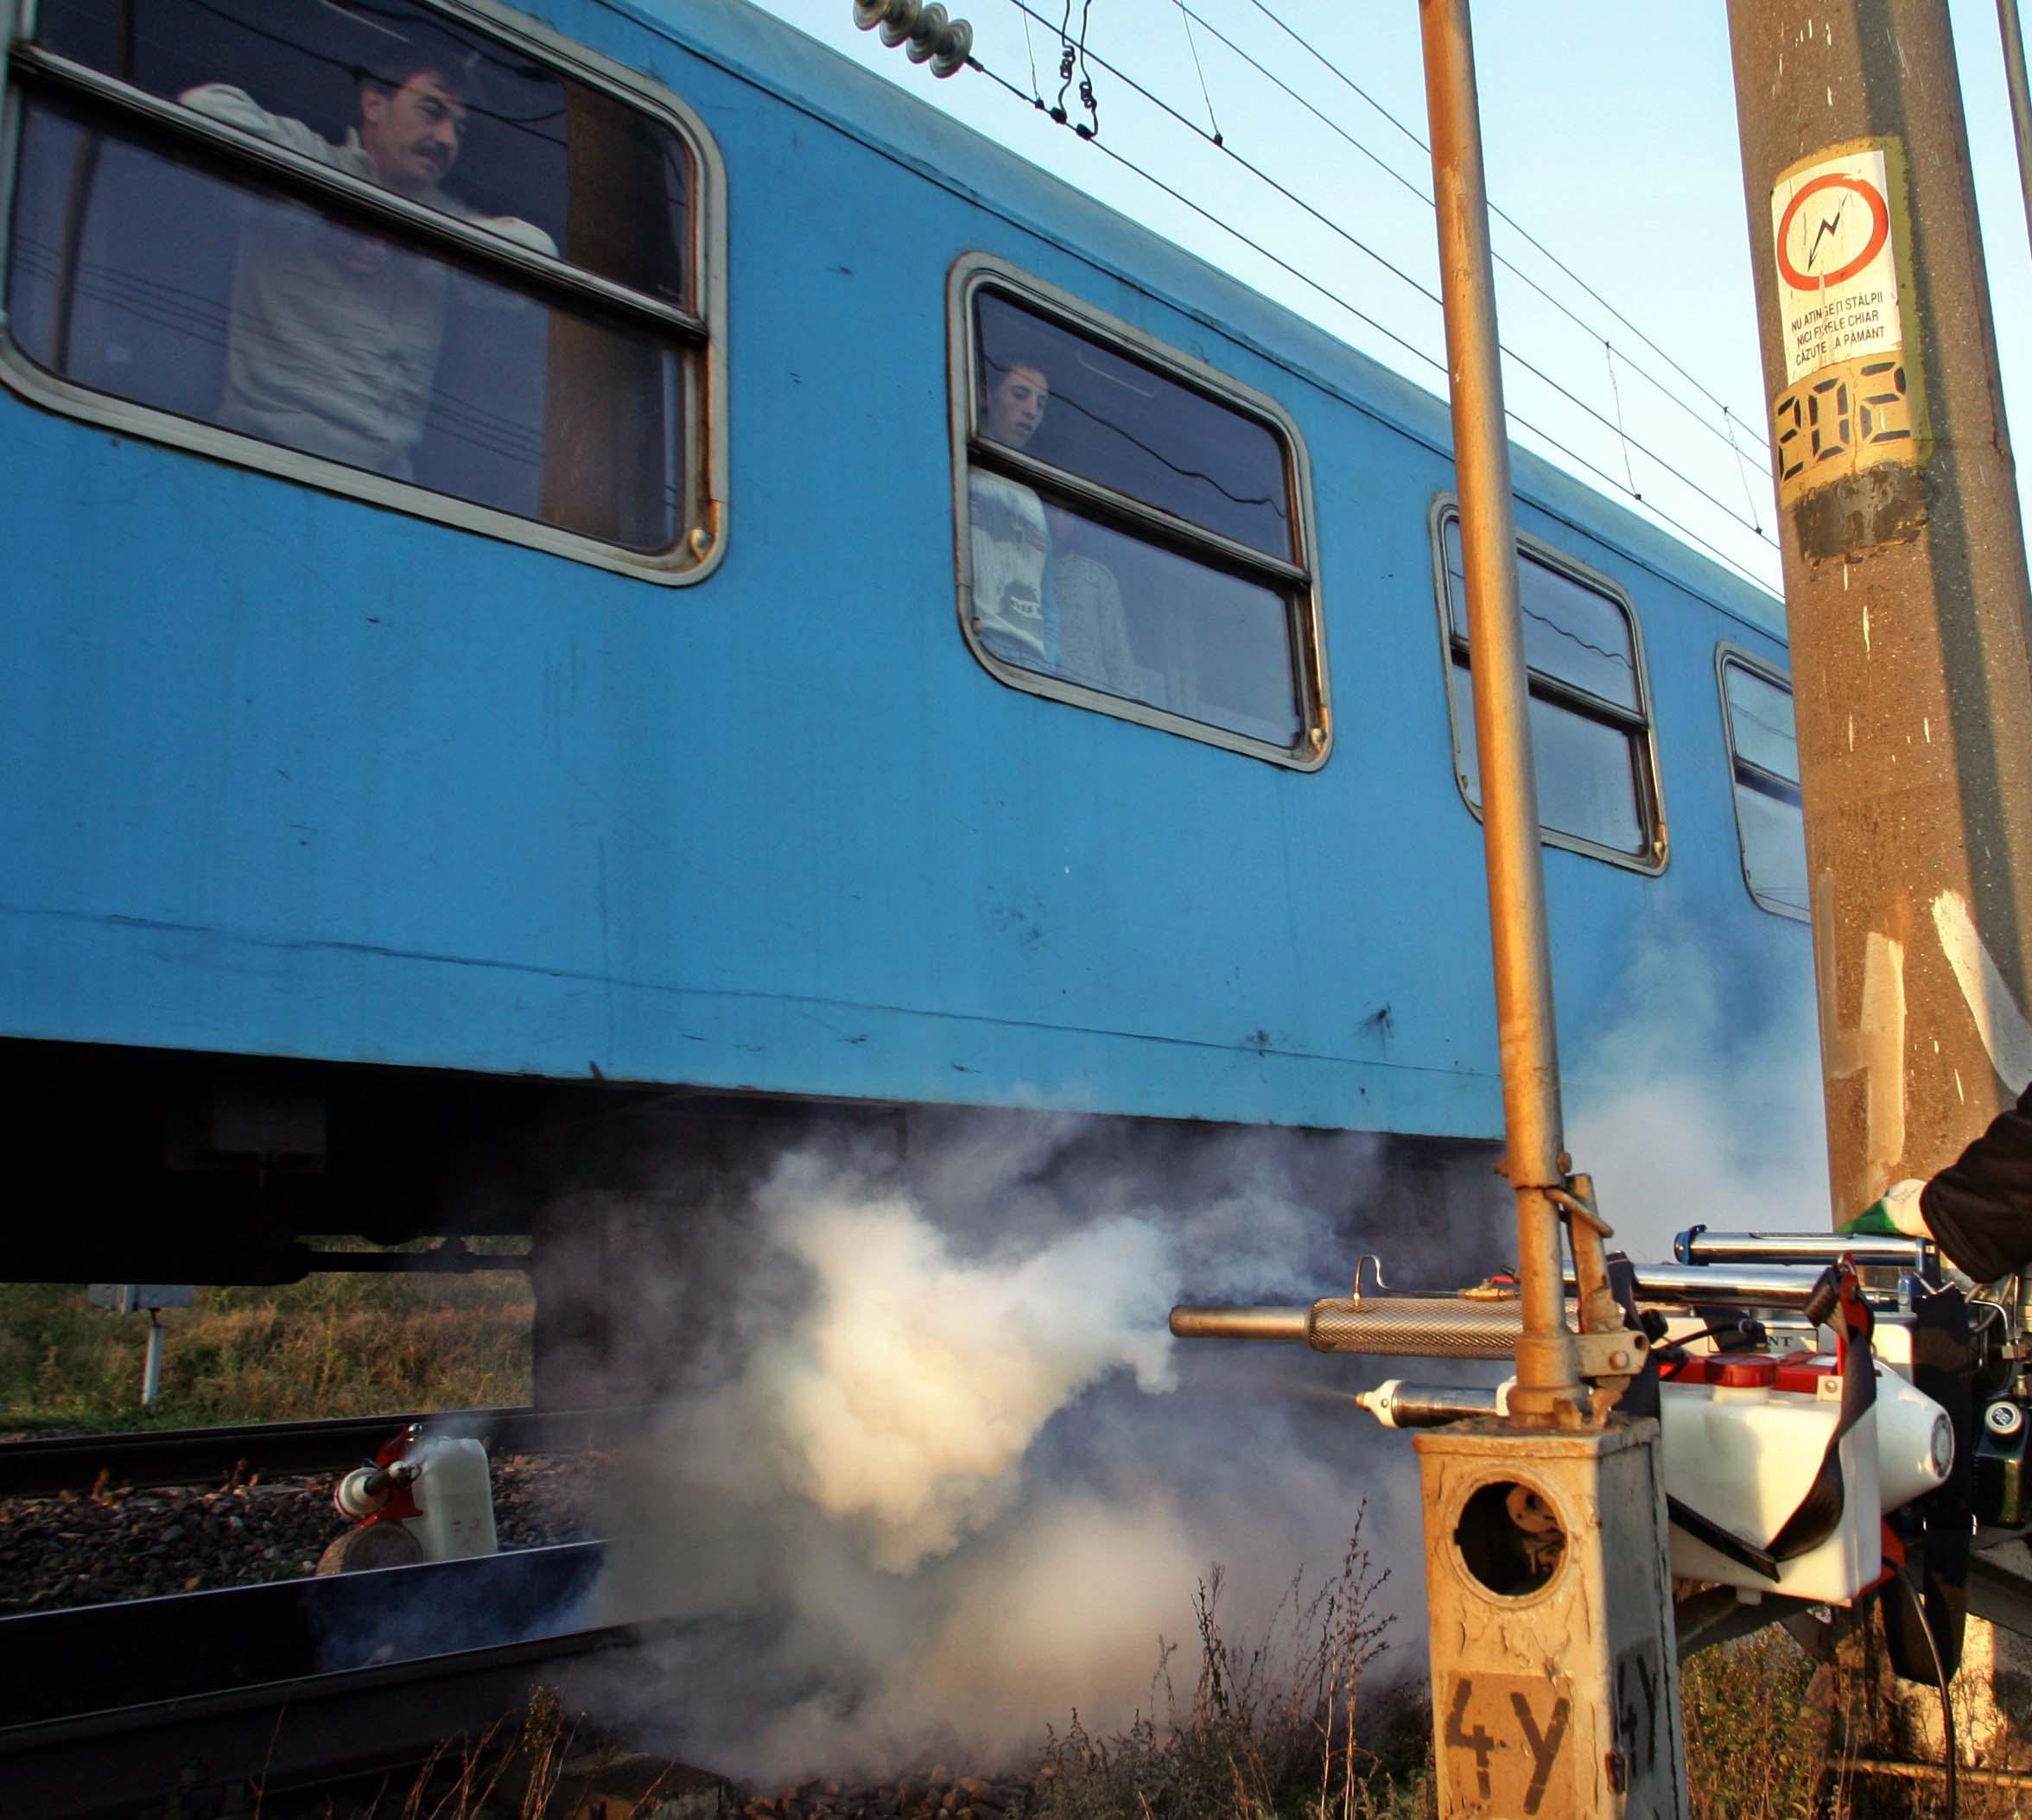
[1897,1212]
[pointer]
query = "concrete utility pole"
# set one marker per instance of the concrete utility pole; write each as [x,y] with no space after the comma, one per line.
[1905,582]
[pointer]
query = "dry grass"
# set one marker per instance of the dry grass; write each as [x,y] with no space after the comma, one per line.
[1277,1728]
[1283,1729]
[1754,1749]
[1282,1732]
[539,1763]
[1772,1733]
[332,1344]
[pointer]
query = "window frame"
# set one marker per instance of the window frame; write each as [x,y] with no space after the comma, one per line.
[1764,671]
[1642,722]
[1296,580]
[273,170]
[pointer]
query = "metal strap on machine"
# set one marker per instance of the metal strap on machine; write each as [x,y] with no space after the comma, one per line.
[1820,1510]
[1818,1514]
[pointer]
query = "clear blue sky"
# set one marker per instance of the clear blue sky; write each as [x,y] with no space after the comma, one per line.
[1610,136]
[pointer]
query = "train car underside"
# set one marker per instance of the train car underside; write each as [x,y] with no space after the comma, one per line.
[142,1165]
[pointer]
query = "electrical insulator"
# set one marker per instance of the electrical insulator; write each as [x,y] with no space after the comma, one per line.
[926,34]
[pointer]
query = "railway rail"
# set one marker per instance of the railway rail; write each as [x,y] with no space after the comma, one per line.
[193,1755]
[292,1683]
[199,1455]
[56,1663]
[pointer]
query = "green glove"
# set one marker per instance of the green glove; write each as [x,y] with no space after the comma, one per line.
[1896,1214]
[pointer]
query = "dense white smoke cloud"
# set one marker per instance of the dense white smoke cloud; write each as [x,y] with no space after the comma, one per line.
[945,1476]
[1701,1105]
[907,1399]
[935,1472]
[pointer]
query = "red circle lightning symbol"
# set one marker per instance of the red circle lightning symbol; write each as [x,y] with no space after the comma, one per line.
[1880,230]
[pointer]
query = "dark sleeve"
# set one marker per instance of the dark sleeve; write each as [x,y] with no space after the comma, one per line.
[1980,1205]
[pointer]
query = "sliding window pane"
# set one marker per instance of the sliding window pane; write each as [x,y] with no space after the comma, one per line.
[1113,420]
[168,285]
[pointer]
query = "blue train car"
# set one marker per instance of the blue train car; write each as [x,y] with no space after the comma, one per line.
[597,557]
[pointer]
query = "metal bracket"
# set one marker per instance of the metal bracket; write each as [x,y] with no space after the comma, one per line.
[1576,1201]
[1617,1354]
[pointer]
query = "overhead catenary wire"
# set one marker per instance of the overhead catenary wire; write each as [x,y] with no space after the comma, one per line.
[1501,214]
[1068,55]
[1192,44]
[1579,403]
[1509,265]
[1355,240]
[1743,465]
[1340,302]
[1616,392]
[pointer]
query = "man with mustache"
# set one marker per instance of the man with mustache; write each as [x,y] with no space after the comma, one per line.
[334,332]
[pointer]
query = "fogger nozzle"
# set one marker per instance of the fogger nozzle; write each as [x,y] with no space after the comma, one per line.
[1398,1404]
[1190,1323]
[1413,1326]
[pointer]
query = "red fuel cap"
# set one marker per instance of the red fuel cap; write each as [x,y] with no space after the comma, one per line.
[1758,1373]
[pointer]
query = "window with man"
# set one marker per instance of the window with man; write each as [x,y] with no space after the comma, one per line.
[373,236]
[1130,535]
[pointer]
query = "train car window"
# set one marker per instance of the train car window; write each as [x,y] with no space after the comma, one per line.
[1763,754]
[452,270]
[1590,707]
[1134,531]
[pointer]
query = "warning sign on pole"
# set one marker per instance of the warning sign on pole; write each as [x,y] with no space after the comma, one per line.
[1845,405]
[1838,276]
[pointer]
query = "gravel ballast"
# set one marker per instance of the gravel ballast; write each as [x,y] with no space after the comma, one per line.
[128,1542]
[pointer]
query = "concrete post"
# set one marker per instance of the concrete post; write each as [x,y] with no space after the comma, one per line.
[151,1363]
[1905,582]
[1905,575]
[1554,1685]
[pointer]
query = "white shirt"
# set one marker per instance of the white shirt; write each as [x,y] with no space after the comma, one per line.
[333,336]
[1010,544]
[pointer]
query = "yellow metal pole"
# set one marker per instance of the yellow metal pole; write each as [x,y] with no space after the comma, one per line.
[1548,1392]
[2021,97]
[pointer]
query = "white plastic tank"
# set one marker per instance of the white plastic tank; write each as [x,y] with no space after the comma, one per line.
[1914,1441]
[455,1495]
[1743,1455]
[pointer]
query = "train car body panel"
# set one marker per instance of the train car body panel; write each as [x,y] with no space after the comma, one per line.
[292,775]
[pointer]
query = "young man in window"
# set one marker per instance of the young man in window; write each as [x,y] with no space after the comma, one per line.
[334,334]
[1011,545]
[1062,615]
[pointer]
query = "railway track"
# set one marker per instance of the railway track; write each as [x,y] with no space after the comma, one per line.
[178,1703]
[200,1455]
[199,1755]
[290,1684]
[58,1663]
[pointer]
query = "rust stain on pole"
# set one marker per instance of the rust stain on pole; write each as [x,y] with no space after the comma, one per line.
[1548,1392]
[1905,578]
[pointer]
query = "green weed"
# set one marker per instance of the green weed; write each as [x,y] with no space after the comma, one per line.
[332,1344]
[1754,1749]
